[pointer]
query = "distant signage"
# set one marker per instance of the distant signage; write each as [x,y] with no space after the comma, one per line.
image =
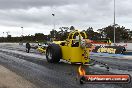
[106,50]
[109,49]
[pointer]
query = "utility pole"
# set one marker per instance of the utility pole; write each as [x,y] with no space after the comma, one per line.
[114,22]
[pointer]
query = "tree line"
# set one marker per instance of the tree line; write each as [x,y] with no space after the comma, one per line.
[121,35]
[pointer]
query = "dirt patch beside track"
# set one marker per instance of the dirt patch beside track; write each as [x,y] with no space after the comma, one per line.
[9,79]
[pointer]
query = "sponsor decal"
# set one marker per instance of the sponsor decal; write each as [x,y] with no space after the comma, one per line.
[106,50]
[109,49]
[115,78]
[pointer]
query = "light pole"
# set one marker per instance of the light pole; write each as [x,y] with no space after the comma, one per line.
[3,34]
[53,20]
[22,31]
[54,23]
[114,22]
[21,42]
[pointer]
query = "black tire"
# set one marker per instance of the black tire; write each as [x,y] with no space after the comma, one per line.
[82,80]
[53,53]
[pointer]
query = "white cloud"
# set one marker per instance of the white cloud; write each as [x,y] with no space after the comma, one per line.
[35,15]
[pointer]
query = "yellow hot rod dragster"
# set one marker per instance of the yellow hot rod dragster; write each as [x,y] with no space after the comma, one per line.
[75,49]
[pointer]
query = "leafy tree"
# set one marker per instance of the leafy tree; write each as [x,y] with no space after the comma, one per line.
[53,33]
[91,34]
[130,34]
[63,33]
[9,38]
[121,33]
[72,28]
[39,36]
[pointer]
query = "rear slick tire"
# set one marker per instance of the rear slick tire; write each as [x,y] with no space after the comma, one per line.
[53,53]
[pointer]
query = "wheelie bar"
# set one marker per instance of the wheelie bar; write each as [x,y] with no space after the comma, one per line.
[95,61]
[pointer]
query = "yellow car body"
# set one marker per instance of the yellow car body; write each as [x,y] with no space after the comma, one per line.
[74,53]
[41,49]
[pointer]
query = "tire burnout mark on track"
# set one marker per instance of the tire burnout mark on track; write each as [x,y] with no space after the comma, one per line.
[18,48]
[116,63]
[44,74]
[38,74]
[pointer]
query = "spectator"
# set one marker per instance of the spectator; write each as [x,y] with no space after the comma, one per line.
[28,47]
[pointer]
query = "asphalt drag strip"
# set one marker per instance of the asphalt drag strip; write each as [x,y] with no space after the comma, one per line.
[46,75]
